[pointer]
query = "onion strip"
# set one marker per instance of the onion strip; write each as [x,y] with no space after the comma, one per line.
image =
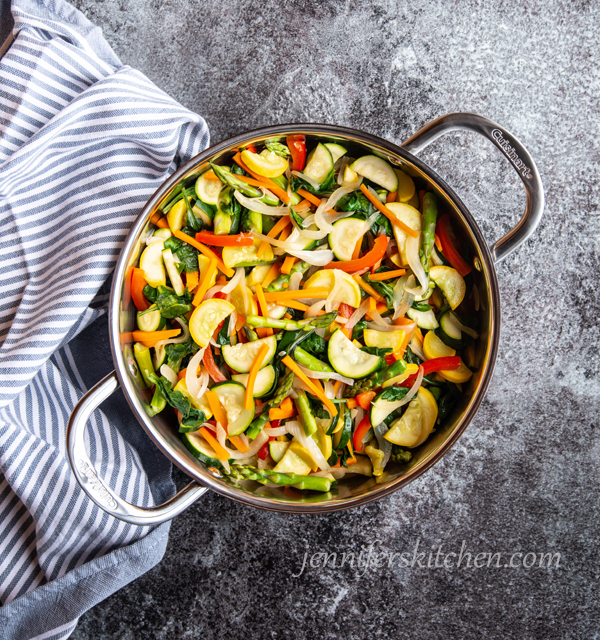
[325,375]
[255,204]
[297,430]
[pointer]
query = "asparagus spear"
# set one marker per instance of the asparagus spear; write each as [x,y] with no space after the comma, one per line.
[283,391]
[306,417]
[310,362]
[226,177]
[279,283]
[292,325]
[378,378]
[285,479]
[429,222]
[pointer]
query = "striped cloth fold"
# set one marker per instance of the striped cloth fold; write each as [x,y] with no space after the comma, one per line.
[84,141]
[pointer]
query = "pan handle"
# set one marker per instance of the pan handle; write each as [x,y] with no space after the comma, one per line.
[516,154]
[91,482]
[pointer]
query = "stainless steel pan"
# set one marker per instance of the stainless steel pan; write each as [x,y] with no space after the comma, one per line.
[352,490]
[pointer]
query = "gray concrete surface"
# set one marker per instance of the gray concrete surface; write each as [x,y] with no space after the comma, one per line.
[524,478]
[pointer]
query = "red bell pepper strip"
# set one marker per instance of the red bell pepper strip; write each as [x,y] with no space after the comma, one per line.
[238,240]
[450,253]
[220,295]
[368,260]
[297,146]
[213,371]
[138,282]
[345,310]
[364,399]
[431,366]
[363,426]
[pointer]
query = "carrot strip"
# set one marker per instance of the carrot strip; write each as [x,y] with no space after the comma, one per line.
[150,338]
[279,226]
[277,296]
[438,242]
[357,247]
[239,443]
[241,321]
[205,251]
[292,366]
[336,387]
[205,284]
[351,404]
[258,360]
[386,275]
[216,408]
[191,280]
[210,175]
[391,197]
[287,404]
[159,221]
[366,287]
[264,332]
[285,233]
[213,442]
[262,303]
[281,414]
[310,197]
[271,274]
[293,304]
[388,213]
[264,182]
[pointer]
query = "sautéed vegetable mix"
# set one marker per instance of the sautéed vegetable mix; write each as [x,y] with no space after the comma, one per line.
[305,313]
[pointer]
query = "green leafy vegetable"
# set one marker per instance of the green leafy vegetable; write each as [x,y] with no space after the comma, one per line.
[279,149]
[377,351]
[187,255]
[172,305]
[192,417]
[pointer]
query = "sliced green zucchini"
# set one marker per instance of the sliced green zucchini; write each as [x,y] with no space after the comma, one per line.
[208,190]
[294,461]
[336,150]
[265,380]
[159,358]
[232,396]
[341,437]
[451,283]
[348,359]
[163,234]
[151,263]
[241,356]
[174,277]
[450,333]
[344,237]
[424,319]
[276,311]
[376,170]
[150,320]
[278,449]
[200,449]
[319,164]
[234,257]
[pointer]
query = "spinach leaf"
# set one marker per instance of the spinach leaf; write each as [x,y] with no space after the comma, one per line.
[316,346]
[222,337]
[377,351]
[327,186]
[187,255]
[382,288]
[359,327]
[392,394]
[355,201]
[171,305]
[192,417]
[279,149]
[421,306]
[177,352]
[150,293]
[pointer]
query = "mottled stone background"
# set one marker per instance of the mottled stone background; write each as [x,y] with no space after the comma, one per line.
[524,477]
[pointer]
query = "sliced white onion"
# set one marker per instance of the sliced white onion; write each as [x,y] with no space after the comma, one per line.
[275,310]
[232,322]
[211,292]
[185,334]
[385,445]
[325,375]
[275,431]
[233,283]
[318,258]
[169,374]
[358,314]
[194,382]
[226,466]
[297,430]
[255,204]
[152,239]
[320,219]
[341,320]
[407,299]
[384,322]
[435,258]
[337,283]
[412,255]
[389,327]
[463,327]
[295,280]
[255,447]
[313,183]
[328,389]
[314,309]
[416,348]
[261,464]
[283,244]
[413,390]
[360,414]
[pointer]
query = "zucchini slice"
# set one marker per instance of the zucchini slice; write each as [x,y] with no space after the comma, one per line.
[246,256]
[451,283]
[208,190]
[434,347]
[336,150]
[232,395]
[319,164]
[417,422]
[348,292]
[348,359]
[163,234]
[264,383]
[294,461]
[383,339]
[424,319]
[241,356]
[381,409]
[411,218]
[346,233]
[174,276]
[207,317]
[150,320]
[278,449]
[200,449]
[376,170]
[151,263]
[450,333]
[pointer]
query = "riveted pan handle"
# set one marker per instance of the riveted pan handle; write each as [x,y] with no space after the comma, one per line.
[517,155]
[90,481]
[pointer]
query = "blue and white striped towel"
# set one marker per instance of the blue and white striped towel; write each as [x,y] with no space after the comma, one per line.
[84,141]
